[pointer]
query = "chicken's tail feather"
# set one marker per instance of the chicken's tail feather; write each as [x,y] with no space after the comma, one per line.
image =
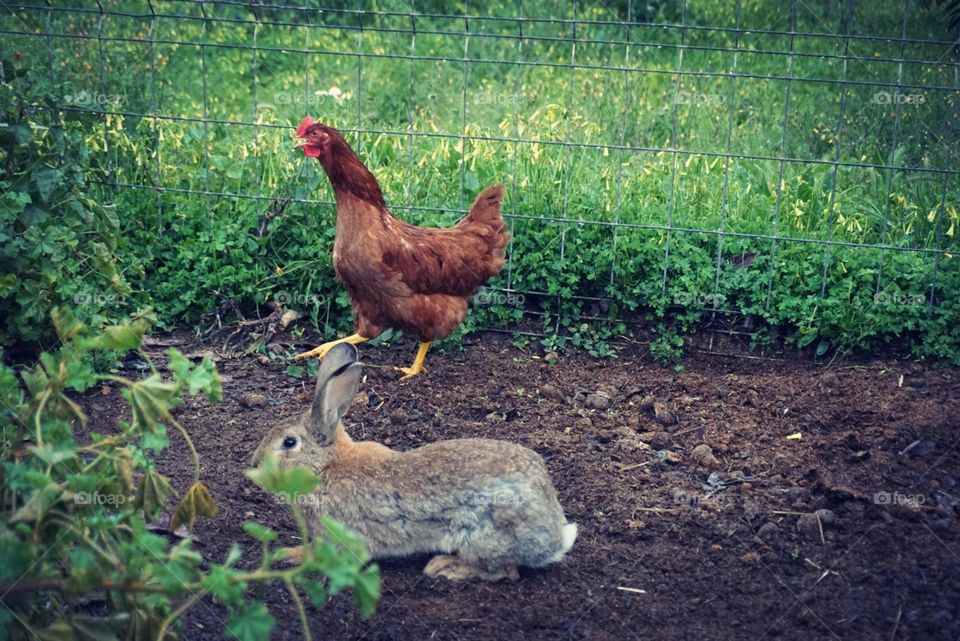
[486,211]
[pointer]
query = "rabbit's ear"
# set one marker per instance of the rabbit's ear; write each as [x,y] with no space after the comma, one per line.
[337,385]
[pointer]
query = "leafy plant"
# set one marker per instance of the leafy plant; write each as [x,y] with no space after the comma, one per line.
[623,218]
[667,347]
[77,558]
[58,244]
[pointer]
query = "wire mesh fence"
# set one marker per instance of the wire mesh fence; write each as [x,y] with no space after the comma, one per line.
[741,158]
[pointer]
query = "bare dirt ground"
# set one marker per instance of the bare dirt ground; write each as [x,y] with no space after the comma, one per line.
[847,531]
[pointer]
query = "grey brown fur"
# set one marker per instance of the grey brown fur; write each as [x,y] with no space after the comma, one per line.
[491,503]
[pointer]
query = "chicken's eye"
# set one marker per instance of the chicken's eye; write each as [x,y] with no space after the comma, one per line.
[289,443]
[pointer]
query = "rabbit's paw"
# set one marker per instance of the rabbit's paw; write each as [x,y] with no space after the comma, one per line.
[454,569]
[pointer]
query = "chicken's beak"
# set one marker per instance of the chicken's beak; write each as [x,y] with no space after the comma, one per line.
[299,143]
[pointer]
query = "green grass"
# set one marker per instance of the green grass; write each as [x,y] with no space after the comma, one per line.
[184,252]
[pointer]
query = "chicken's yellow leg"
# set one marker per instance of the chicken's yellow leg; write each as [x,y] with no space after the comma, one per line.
[319,352]
[417,367]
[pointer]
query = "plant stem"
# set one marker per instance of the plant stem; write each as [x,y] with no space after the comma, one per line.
[40,585]
[87,541]
[193,450]
[176,614]
[117,379]
[301,524]
[304,624]
[45,394]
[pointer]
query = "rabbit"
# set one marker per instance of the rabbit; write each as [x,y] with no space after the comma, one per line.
[483,506]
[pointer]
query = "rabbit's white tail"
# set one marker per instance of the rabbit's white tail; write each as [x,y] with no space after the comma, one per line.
[567,537]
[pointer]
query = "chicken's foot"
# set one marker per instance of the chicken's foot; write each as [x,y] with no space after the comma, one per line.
[417,367]
[319,352]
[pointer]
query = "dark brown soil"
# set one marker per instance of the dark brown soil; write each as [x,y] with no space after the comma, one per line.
[666,550]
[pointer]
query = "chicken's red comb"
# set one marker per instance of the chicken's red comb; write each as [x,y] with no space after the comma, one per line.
[305,124]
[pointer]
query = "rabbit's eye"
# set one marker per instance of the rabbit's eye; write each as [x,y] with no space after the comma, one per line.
[290,442]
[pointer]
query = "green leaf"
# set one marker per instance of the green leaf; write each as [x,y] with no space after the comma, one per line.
[314,587]
[153,546]
[151,400]
[203,377]
[53,454]
[16,558]
[366,590]
[81,559]
[46,180]
[80,376]
[292,482]
[14,202]
[179,364]
[181,570]
[295,371]
[251,622]
[119,337]
[260,532]
[36,380]
[338,533]
[66,324]
[11,396]
[224,583]
[806,340]
[233,555]
[38,504]
[82,573]
[83,482]
[156,440]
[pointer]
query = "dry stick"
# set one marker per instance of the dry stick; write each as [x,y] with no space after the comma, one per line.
[689,429]
[659,510]
[630,467]
[634,590]
[896,622]
[825,572]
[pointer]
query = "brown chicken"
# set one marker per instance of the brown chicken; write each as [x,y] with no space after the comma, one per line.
[398,275]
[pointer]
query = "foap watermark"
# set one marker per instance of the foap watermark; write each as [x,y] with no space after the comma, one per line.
[93,99]
[321,96]
[99,498]
[293,299]
[698,500]
[897,98]
[698,99]
[503,499]
[493,98]
[488,298]
[898,498]
[698,299]
[97,298]
[899,298]
[297,498]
